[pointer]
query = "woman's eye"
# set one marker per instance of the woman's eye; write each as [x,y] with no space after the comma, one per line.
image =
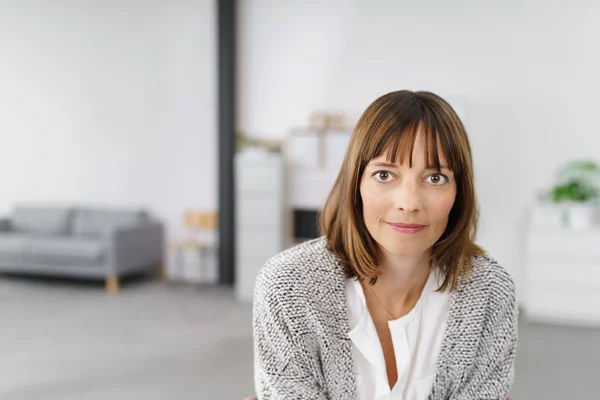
[437,179]
[382,176]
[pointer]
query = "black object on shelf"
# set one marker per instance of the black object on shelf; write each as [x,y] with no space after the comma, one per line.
[306,224]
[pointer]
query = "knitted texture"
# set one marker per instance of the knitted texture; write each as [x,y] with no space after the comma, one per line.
[302,349]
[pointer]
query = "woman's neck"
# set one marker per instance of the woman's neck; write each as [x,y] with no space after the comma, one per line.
[402,281]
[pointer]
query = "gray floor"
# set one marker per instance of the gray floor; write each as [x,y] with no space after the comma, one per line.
[69,340]
[557,362]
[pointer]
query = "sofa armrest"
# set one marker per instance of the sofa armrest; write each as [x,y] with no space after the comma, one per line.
[5,225]
[135,247]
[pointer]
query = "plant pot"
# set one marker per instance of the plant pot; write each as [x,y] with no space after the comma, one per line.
[581,216]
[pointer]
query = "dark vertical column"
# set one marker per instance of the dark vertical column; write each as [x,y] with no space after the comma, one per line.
[226,35]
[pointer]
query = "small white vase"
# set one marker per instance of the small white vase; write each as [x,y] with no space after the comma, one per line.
[582,216]
[549,215]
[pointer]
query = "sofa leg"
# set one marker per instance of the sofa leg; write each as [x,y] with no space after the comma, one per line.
[160,272]
[112,284]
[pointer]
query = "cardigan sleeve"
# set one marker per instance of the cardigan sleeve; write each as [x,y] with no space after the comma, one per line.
[492,372]
[281,369]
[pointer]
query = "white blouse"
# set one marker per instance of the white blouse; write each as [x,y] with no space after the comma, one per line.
[416,337]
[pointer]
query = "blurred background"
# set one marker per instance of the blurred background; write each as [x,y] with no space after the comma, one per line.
[154,154]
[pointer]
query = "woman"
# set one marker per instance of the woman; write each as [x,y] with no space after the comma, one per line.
[395,301]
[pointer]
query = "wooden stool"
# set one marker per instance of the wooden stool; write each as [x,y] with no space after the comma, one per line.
[195,221]
[181,247]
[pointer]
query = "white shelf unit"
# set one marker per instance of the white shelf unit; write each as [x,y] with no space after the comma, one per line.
[261,219]
[308,187]
[563,276]
[313,160]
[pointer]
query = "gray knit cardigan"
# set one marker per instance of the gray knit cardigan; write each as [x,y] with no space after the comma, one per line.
[301,344]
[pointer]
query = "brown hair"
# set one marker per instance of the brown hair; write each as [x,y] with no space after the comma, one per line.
[390,124]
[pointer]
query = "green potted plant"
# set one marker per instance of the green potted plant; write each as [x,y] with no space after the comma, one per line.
[245,142]
[577,188]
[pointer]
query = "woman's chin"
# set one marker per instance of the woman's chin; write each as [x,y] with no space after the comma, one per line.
[404,251]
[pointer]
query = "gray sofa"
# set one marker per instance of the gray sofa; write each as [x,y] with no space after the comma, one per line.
[80,242]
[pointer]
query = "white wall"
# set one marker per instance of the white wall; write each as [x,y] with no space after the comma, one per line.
[109,102]
[526,75]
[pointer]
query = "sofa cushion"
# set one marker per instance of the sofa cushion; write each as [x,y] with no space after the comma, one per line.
[66,250]
[41,219]
[95,222]
[13,247]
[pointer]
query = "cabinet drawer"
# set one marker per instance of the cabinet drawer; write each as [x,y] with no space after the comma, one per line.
[246,271]
[565,272]
[257,244]
[555,303]
[565,243]
[259,178]
[257,210]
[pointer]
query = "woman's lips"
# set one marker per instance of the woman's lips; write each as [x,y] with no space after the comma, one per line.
[406,228]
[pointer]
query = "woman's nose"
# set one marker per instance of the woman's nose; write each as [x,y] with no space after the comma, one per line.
[407,197]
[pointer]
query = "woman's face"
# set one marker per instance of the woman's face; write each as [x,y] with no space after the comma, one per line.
[406,209]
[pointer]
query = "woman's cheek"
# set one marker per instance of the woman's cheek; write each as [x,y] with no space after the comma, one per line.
[449,203]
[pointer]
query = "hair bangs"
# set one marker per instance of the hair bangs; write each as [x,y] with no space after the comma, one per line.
[397,139]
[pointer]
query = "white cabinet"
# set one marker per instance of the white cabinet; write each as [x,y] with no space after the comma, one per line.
[260,216]
[563,276]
